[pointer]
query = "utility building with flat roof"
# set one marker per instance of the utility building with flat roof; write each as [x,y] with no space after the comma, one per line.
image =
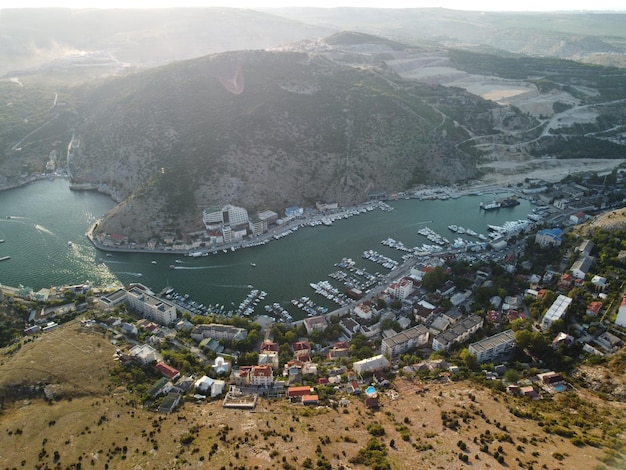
[557,311]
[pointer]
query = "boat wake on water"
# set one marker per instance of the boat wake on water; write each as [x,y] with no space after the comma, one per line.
[43,229]
[230,286]
[131,274]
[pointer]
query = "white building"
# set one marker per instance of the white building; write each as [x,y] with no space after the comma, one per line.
[557,311]
[144,353]
[621,314]
[401,289]
[371,364]
[405,340]
[495,346]
[581,267]
[151,307]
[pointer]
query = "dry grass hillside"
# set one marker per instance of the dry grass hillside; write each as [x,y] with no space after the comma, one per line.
[94,427]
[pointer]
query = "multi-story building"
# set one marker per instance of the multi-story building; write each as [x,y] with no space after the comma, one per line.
[218,332]
[401,289]
[553,236]
[459,333]
[371,364]
[493,347]
[151,307]
[231,220]
[405,340]
[261,376]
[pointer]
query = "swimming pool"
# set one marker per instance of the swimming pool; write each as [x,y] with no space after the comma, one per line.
[560,387]
[370,390]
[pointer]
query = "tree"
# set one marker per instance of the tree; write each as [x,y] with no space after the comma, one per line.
[511,375]
[433,280]
[469,360]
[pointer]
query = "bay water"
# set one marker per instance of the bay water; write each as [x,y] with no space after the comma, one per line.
[44,225]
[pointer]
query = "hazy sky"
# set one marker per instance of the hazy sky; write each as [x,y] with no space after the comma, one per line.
[527,5]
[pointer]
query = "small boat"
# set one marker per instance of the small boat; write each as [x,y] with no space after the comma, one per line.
[172,266]
[4,258]
[70,243]
[178,261]
[1,241]
[253,265]
[153,262]
[109,255]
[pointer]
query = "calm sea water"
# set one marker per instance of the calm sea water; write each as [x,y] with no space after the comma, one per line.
[38,220]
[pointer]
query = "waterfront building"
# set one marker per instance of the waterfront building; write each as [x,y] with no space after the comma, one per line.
[318,323]
[401,289]
[557,311]
[262,221]
[553,237]
[493,347]
[405,340]
[151,307]
[113,299]
[231,220]
[294,211]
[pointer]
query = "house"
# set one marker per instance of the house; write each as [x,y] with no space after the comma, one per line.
[261,376]
[339,350]
[298,392]
[581,267]
[167,370]
[349,326]
[424,311]
[365,310]
[405,340]
[310,400]
[269,346]
[318,323]
[302,350]
[203,385]
[550,378]
[594,308]
[578,218]
[143,353]
[557,311]
[584,249]
[599,282]
[562,338]
[529,391]
[371,364]
[565,283]
[493,347]
[270,358]
[170,402]
[609,342]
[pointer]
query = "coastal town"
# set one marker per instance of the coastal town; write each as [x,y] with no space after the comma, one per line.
[420,305]
[517,308]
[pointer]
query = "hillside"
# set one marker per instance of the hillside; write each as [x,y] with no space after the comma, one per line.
[268,130]
[105,426]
